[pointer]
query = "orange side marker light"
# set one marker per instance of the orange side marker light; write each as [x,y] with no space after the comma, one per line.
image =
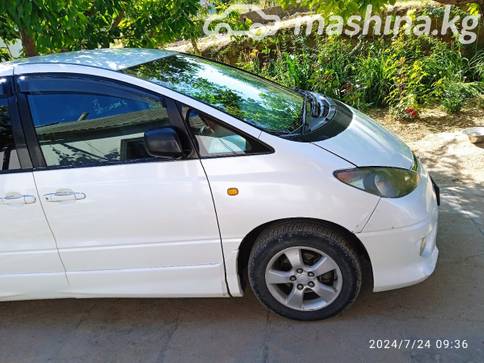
[232,192]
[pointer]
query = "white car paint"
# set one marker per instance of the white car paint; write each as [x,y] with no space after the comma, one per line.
[365,143]
[132,219]
[6,70]
[394,234]
[167,229]
[30,266]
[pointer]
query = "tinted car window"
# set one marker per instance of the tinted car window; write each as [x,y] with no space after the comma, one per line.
[76,129]
[252,99]
[8,153]
[215,139]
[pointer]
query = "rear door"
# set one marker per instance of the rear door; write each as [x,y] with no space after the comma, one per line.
[30,266]
[126,223]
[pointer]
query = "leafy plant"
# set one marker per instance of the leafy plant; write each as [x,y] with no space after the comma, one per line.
[405,73]
[340,7]
[407,108]
[456,94]
[476,66]
[4,55]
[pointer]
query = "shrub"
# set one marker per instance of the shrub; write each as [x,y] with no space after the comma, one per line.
[456,93]
[406,109]
[404,74]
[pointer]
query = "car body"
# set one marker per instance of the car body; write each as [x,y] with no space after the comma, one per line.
[86,211]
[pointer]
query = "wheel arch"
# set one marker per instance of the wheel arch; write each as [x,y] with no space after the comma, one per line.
[250,239]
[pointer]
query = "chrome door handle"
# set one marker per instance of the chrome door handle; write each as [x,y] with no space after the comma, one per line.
[64,195]
[17,198]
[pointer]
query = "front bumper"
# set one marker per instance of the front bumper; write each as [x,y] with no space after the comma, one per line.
[397,256]
[400,238]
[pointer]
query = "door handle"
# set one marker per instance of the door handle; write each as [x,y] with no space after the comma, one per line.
[64,195]
[17,199]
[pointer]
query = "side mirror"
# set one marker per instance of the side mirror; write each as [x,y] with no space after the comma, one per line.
[163,143]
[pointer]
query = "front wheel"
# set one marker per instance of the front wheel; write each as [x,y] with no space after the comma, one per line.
[304,271]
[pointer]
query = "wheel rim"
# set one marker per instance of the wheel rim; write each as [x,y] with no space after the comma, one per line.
[303,278]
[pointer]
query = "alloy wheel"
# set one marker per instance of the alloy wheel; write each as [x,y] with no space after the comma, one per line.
[303,278]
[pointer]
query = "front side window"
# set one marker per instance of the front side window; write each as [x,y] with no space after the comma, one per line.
[215,139]
[249,98]
[8,153]
[76,129]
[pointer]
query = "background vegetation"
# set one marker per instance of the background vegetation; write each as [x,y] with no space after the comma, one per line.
[404,73]
[46,26]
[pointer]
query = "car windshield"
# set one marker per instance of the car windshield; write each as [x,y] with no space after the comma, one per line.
[247,97]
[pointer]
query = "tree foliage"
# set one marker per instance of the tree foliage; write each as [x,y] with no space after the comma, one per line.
[350,7]
[339,7]
[57,25]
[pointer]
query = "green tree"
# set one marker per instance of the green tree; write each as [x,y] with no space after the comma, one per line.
[340,7]
[350,7]
[58,25]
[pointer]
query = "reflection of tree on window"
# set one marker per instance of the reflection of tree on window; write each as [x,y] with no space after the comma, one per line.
[8,155]
[238,93]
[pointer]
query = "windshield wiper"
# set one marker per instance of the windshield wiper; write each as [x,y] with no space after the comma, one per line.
[304,123]
[322,109]
[316,105]
[327,108]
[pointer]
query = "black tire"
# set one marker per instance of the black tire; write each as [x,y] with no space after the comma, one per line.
[312,235]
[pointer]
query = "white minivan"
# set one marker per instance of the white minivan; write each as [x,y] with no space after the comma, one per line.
[149,173]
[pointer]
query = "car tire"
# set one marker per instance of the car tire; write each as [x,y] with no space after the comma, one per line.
[304,271]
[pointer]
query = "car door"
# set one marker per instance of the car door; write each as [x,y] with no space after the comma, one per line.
[30,266]
[240,169]
[126,223]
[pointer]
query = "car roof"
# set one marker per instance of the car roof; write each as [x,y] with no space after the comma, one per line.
[114,59]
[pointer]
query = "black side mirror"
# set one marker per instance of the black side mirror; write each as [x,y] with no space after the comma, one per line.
[163,143]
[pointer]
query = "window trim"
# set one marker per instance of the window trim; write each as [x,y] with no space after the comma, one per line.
[32,142]
[17,130]
[269,149]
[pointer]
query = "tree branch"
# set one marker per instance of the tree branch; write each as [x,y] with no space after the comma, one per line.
[28,44]
[117,20]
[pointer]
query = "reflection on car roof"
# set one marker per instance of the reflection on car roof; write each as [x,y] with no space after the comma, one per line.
[114,59]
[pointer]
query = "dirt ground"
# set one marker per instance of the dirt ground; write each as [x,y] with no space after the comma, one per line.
[438,139]
[431,121]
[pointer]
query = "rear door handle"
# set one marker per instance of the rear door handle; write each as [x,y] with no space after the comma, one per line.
[64,195]
[17,198]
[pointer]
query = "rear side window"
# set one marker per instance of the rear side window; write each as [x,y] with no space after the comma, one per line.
[86,128]
[8,153]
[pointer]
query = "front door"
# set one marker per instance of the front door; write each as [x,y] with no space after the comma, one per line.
[30,266]
[126,223]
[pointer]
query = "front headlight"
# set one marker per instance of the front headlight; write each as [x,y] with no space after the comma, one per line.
[384,182]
